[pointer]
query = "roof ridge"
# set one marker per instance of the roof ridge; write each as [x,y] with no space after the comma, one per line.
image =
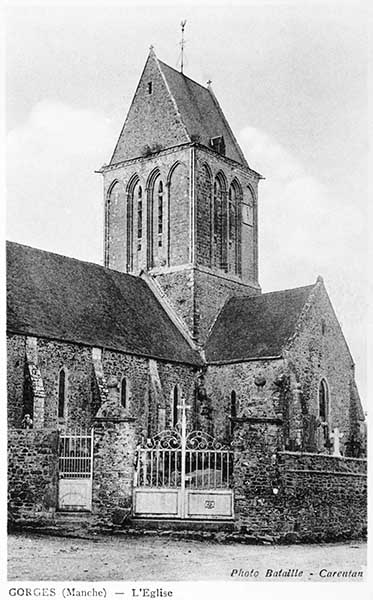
[216,102]
[183,75]
[301,287]
[61,297]
[72,258]
[151,54]
[176,108]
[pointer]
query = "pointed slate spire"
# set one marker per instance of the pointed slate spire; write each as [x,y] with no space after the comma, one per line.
[169,109]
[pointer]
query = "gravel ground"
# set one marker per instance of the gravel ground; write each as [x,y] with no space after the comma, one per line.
[33,557]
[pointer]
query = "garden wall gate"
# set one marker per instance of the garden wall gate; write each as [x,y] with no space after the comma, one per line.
[182,475]
[75,467]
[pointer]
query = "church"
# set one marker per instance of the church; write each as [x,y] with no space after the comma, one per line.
[165,386]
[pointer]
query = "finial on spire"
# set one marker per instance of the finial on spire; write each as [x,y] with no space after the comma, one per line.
[151,47]
[209,82]
[182,44]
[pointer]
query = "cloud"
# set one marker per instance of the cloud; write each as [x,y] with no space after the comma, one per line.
[303,223]
[54,197]
[55,203]
[306,229]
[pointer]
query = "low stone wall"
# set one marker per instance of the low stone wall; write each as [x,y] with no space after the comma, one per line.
[32,473]
[322,496]
[33,456]
[292,496]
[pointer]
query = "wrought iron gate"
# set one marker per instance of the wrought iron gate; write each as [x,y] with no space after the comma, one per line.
[185,476]
[75,467]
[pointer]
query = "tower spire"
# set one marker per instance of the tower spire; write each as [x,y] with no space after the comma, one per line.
[182,44]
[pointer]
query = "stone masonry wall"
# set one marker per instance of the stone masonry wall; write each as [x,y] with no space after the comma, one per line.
[146,399]
[319,351]
[16,356]
[266,400]
[294,496]
[113,469]
[77,362]
[83,396]
[179,287]
[32,473]
[211,292]
[323,496]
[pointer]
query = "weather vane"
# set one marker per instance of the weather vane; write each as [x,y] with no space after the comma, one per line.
[182,44]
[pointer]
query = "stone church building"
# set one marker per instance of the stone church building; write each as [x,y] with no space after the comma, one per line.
[165,385]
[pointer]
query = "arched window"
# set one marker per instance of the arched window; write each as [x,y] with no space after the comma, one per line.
[160,212]
[233,410]
[149,419]
[61,394]
[139,217]
[204,208]
[114,206]
[323,402]
[155,220]
[134,223]
[175,404]
[124,392]
[217,224]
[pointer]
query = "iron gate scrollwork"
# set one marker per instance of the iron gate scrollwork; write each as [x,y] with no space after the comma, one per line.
[183,475]
[205,462]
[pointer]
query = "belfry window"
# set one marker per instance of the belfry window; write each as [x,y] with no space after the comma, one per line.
[139,217]
[150,87]
[217,227]
[61,394]
[234,229]
[160,212]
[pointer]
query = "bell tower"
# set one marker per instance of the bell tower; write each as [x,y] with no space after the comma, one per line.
[180,198]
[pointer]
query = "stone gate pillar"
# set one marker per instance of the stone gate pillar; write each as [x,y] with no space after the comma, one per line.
[113,461]
[256,481]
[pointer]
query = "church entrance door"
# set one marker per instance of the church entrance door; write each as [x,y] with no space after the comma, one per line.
[182,475]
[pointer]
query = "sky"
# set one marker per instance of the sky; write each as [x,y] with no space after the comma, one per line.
[292,81]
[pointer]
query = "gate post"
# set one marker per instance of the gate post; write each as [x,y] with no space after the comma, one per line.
[255,478]
[113,463]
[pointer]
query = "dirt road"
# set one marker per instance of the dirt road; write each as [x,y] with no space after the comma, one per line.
[118,558]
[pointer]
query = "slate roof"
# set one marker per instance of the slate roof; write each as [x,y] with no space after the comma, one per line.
[200,111]
[255,326]
[62,298]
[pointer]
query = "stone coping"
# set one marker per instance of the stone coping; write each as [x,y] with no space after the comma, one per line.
[314,454]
